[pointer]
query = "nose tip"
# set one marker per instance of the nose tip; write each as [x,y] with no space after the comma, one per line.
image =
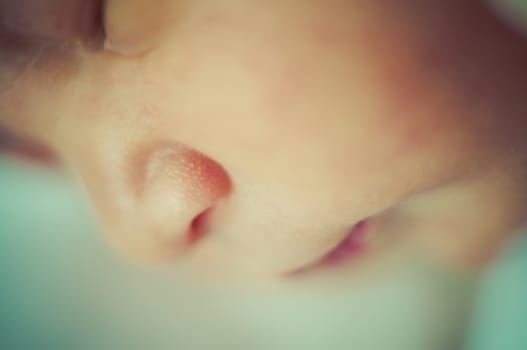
[178,192]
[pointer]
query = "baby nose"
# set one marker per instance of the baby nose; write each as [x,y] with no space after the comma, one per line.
[178,189]
[155,202]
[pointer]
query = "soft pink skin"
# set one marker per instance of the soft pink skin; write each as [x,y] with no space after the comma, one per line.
[312,115]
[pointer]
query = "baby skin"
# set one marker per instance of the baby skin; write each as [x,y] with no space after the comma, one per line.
[265,137]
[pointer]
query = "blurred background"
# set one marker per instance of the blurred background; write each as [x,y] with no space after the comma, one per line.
[62,287]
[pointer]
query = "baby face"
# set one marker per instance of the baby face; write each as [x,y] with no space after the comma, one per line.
[267,137]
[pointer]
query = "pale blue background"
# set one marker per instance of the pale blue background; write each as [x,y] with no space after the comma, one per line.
[61,287]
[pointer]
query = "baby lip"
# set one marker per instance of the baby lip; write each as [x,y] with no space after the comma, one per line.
[352,244]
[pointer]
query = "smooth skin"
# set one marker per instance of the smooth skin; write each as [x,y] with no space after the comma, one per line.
[248,137]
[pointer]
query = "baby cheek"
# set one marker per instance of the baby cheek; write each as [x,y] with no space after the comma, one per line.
[348,76]
[418,101]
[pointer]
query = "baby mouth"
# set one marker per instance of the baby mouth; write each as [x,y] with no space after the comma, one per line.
[351,246]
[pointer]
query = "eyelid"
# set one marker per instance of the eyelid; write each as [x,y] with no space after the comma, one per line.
[134,27]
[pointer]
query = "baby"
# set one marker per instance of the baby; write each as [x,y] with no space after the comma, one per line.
[273,137]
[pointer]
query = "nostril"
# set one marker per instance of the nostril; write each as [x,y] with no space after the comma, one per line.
[199,226]
[176,192]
